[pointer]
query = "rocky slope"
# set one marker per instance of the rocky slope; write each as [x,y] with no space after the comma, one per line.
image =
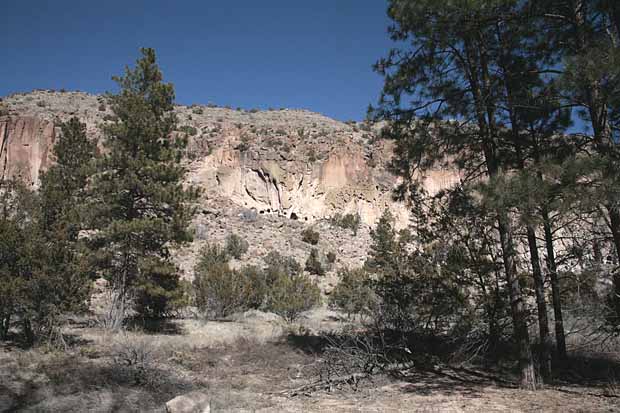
[284,168]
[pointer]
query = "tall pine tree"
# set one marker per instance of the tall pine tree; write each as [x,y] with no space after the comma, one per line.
[446,64]
[141,204]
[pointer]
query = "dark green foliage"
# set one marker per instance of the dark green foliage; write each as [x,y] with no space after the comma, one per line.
[197,110]
[140,207]
[314,264]
[43,267]
[347,221]
[414,292]
[354,293]
[310,236]
[236,246]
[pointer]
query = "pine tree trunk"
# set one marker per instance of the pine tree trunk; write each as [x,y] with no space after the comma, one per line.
[556,291]
[522,337]
[543,321]
[5,324]
[28,333]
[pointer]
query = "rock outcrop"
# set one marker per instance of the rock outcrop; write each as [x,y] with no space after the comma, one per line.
[25,147]
[291,163]
[194,402]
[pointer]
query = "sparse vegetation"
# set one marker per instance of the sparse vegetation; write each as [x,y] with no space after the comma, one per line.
[189,130]
[314,264]
[310,236]
[347,221]
[236,246]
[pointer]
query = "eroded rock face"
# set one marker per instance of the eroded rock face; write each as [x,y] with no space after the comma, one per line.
[291,163]
[297,188]
[26,147]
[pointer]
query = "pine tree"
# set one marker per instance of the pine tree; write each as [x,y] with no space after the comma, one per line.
[141,204]
[587,34]
[447,65]
[43,273]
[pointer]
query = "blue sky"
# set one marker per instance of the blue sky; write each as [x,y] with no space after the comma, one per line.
[273,53]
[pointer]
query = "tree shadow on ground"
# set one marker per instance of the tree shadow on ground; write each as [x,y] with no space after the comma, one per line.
[161,326]
[425,371]
[588,368]
[64,384]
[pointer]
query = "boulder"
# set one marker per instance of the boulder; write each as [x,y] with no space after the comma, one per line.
[194,402]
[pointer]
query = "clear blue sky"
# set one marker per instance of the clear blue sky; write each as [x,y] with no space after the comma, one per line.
[272,53]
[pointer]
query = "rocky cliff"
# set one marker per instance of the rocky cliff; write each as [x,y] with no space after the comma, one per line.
[25,148]
[291,163]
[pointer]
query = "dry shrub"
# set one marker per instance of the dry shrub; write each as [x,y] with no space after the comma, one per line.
[134,357]
[236,246]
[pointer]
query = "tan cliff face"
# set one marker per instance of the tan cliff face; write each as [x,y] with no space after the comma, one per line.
[26,147]
[291,163]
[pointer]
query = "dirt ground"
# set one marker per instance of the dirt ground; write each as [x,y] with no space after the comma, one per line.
[250,364]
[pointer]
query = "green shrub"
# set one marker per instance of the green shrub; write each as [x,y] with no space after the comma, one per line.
[289,296]
[348,221]
[244,145]
[212,254]
[220,291]
[236,246]
[277,262]
[197,110]
[313,263]
[280,288]
[189,130]
[353,294]
[310,236]
[41,104]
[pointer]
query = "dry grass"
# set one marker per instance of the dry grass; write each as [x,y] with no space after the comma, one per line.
[248,365]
